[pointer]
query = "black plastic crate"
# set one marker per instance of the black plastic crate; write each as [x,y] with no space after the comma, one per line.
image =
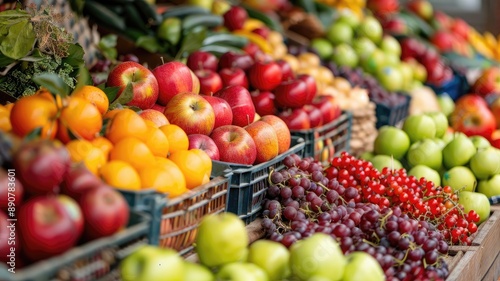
[249,183]
[95,260]
[392,116]
[329,140]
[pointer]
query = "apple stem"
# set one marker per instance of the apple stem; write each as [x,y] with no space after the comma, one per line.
[162,60]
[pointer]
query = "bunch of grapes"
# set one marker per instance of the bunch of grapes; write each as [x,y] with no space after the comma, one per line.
[306,198]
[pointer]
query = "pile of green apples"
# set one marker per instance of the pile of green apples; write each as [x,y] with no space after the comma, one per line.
[224,253]
[427,148]
[361,43]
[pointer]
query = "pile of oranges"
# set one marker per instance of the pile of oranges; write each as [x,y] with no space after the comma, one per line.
[127,149]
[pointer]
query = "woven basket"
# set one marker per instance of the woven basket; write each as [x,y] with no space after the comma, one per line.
[86,36]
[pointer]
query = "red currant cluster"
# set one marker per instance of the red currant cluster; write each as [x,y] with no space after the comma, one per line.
[418,198]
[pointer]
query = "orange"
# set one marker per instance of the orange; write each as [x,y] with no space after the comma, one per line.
[154,115]
[168,180]
[42,92]
[120,174]
[5,119]
[94,95]
[80,119]
[126,123]
[103,144]
[195,167]
[9,106]
[177,138]
[110,114]
[157,141]
[29,113]
[133,151]
[84,151]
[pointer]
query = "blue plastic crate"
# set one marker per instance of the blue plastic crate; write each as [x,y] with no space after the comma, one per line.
[249,183]
[455,88]
[94,260]
[329,140]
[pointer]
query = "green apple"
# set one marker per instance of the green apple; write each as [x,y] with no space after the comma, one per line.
[317,255]
[221,239]
[458,151]
[373,62]
[420,73]
[391,141]
[490,187]
[367,155]
[390,77]
[198,272]
[480,142]
[323,47]
[459,178]
[272,257]
[441,143]
[392,60]
[170,30]
[485,163]
[390,45]
[242,271]
[422,171]
[318,278]
[419,127]
[441,122]
[363,47]
[477,202]
[220,7]
[407,72]
[339,32]
[371,28]
[446,104]
[344,54]
[207,4]
[348,17]
[379,162]
[150,263]
[425,152]
[362,266]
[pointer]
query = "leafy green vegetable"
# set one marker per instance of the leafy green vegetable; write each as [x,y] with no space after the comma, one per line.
[53,83]
[19,40]
[191,42]
[107,46]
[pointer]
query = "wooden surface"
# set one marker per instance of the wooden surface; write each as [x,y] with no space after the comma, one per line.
[481,262]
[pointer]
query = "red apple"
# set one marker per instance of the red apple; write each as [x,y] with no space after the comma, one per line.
[204,143]
[210,81]
[263,102]
[79,180]
[11,189]
[10,246]
[494,105]
[291,94]
[422,8]
[473,117]
[252,49]
[222,110]
[383,8]
[315,115]
[265,138]
[330,110]
[158,107]
[488,82]
[232,59]
[174,78]
[46,228]
[281,129]
[41,165]
[233,77]
[311,86]
[295,119]
[395,25]
[105,212]
[155,116]
[241,104]
[443,40]
[286,70]
[235,145]
[460,28]
[74,212]
[144,83]
[235,17]
[412,48]
[262,31]
[265,76]
[442,20]
[191,112]
[201,60]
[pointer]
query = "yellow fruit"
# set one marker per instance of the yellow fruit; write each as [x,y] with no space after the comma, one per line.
[168,180]
[120,174]
[132,151]
[84,151]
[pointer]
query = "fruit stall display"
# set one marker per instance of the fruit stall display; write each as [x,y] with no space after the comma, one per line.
[221,137]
